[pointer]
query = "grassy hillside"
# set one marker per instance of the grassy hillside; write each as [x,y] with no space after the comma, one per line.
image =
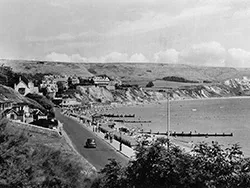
[128,71]
[47,67]
[32,159]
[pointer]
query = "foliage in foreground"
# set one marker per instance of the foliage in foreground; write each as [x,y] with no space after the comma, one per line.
[23,165]
[208,166]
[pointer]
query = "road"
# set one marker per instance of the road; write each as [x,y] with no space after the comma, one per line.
[78,134]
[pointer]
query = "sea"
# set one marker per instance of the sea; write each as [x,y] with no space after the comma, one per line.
[218,115]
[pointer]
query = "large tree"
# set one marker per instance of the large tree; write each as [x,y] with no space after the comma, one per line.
[208,166]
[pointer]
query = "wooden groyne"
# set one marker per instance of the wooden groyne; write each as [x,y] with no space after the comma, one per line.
[125,121]
[182,134]
[119,115]
[190,134]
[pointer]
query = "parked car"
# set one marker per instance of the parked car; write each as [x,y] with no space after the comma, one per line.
[90,143]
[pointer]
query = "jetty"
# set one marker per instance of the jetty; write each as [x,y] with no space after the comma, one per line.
[190,134]
[135,121]
[118,115]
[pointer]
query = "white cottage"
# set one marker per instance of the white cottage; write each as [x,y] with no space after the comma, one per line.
[24,86]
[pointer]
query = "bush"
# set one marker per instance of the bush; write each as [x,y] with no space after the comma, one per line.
[150,84]
[178,79]
[155,166]
[35,165]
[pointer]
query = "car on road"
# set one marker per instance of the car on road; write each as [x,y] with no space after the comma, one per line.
[90,143]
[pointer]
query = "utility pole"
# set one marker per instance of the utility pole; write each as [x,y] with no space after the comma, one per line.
[120,141]
[168,120]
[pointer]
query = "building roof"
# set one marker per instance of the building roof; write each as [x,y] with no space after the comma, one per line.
[7,111]
[21,78]
[38,112]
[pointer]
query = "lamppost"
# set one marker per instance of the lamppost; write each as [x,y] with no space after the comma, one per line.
[168,119]
[120,141]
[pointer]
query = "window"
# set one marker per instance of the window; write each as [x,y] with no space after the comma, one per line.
[12,116]
[21,91]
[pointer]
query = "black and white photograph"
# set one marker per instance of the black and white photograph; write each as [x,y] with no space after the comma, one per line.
[124,93]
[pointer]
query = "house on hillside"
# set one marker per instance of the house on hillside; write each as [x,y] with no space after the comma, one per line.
[5,105]
[23,110]
[75,80]
[50,86]
[19,112]
[38,114]
[52,90]
[101,80]
[14,115]
[24,86]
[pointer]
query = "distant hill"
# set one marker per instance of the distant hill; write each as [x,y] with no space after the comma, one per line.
[129,71]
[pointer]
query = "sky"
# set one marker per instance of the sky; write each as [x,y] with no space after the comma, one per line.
[196,32]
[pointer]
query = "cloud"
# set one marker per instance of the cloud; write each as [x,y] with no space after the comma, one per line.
[168,56]
[109,58]
[65,58]
[238,58]
[65,36]
[60,37]
[153,20]
[206,54]
[203,54]
[140,58]
[123,57]
[115,57]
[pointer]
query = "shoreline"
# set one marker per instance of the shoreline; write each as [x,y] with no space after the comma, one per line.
[208,98]
[207,122]
[178,100]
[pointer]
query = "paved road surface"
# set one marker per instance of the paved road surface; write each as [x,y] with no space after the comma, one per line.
[78,134]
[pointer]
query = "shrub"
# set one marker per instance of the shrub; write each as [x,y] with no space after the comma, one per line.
[150,84]
[155,166]
[35,165]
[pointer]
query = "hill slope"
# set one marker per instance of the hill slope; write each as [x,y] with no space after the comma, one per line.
[129,71]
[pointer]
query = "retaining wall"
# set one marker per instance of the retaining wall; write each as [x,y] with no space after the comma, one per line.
[33,129]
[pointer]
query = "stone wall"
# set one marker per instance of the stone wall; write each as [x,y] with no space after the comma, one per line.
[32,129]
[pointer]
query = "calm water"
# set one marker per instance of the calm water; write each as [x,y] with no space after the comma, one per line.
[205,116]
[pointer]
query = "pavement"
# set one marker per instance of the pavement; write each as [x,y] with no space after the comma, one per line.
[121,148]
[128,151]
[78,134]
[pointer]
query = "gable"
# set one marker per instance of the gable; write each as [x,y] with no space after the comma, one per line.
[23,79]
[9,111]
[21,83]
